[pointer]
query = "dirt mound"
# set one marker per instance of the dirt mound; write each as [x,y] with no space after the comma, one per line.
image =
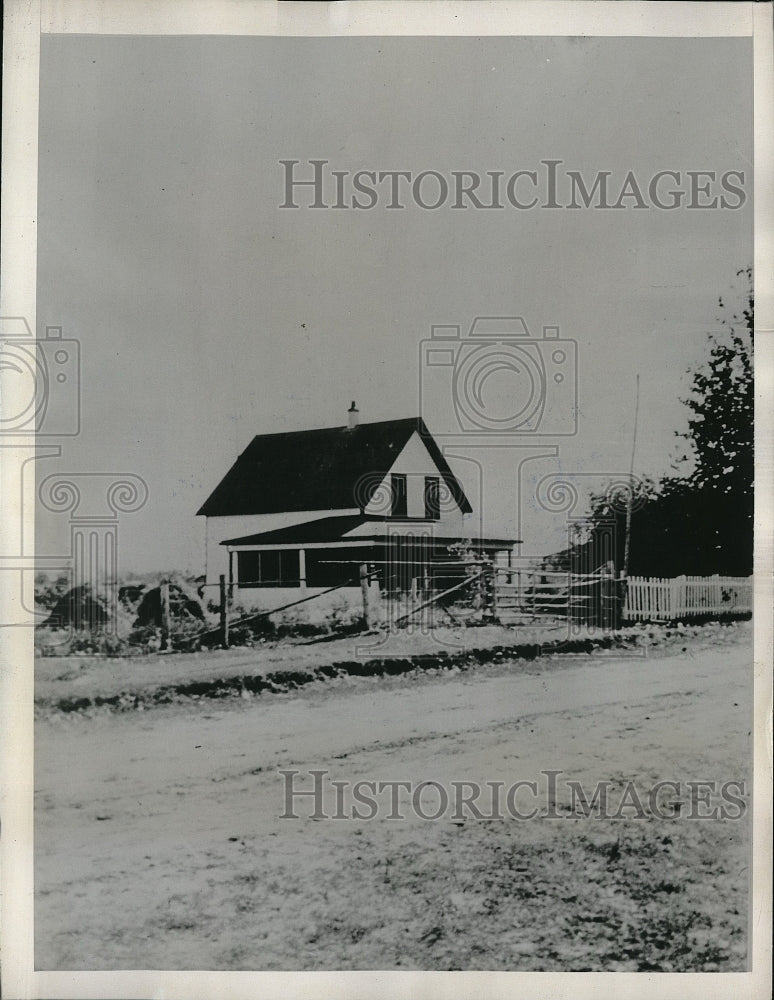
[79,608]
[182,606]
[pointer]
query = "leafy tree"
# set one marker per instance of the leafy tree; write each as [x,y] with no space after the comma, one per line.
[720,430]
[700,520]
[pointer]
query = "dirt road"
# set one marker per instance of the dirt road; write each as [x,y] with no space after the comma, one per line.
[159,842]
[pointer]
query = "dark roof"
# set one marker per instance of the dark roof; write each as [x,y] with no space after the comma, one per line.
[322,529]
[320,469]
[339,527]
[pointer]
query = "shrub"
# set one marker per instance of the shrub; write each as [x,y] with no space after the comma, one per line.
[63,642]
[49,592]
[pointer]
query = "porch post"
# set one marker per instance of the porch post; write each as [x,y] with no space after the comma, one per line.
[302,568]
[223,611]
[364,592]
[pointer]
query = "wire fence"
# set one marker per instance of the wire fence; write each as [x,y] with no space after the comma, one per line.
[463,590]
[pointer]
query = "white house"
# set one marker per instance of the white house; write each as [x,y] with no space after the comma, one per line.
[301,512]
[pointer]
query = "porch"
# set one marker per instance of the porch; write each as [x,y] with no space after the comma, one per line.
[332,555]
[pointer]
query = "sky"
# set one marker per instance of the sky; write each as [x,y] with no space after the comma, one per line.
[206,314]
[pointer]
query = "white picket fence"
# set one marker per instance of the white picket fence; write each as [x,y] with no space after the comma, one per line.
[654,599]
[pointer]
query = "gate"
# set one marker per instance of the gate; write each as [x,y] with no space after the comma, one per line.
[523,596]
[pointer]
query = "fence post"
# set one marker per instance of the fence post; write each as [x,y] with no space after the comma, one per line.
[494,593]
[364,591]
[165,629]
[622,595]
[607,593]
[223,611]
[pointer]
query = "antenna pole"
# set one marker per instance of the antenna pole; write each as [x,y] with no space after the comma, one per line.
[627,543]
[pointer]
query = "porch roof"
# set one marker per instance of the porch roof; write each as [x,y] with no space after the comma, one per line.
[359,528]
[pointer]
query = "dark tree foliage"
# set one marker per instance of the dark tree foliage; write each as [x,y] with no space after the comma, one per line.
[720,430]
[699,521]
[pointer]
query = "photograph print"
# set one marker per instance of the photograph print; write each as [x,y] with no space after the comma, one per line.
[390,437]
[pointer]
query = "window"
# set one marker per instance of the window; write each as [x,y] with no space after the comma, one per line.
[432,498]
[272,568]
[269,567]
[335,567]
[399,495]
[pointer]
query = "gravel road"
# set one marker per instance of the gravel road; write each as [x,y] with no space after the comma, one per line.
[159,842]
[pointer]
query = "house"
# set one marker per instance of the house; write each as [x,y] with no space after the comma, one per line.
[301,512]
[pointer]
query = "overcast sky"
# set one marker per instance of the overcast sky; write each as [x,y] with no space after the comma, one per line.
[206,314]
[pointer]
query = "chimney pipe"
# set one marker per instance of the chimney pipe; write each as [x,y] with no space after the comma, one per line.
[353,415]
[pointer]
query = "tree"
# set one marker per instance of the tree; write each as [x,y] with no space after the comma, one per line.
[700,520]
[720,432]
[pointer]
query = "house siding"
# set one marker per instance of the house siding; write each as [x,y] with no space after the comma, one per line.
[415,462]
[347,600]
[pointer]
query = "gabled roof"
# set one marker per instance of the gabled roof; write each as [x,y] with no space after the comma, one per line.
[320,469]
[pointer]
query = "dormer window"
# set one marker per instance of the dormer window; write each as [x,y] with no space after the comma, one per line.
[399,494]
[432,498]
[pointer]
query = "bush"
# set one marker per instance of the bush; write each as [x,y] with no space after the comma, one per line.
[342,616]
[64,642]
[49,592]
